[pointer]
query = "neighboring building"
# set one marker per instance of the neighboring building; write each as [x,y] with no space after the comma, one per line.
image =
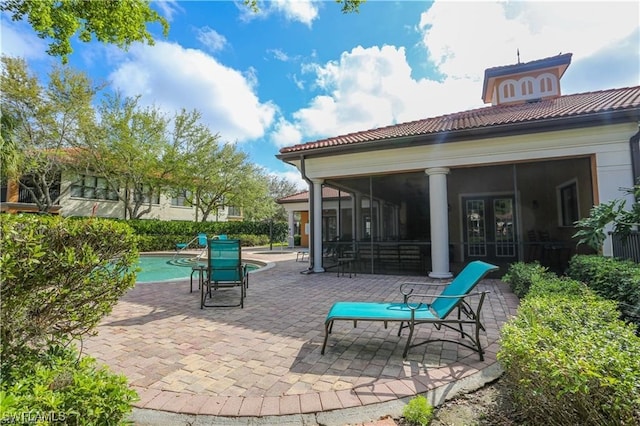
[88,195]
[336,210]
[502,183]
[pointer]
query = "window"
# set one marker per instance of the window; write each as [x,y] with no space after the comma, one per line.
[508,90]
[148,195]
[234,211]
[548,84]
[568,210]
[180,198]
[527,87]
[93,188]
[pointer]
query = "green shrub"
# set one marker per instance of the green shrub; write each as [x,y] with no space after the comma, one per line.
[158,235]
[59,278]
[58,388]
[418,411]
[521,275]
[569,361]
[613,279]
[549,284]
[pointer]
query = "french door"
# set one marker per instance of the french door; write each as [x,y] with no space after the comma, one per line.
[490,228]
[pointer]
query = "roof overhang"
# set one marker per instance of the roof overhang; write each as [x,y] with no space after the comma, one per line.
[502,130]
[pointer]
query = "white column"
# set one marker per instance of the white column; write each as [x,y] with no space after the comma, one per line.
[439,213]
[316,225]
[290,241]
[378,219]
[357,215]
[353,216]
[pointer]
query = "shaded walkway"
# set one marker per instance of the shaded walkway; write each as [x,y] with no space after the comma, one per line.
[243,366]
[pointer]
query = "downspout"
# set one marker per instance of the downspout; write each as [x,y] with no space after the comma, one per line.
[634,144]
[311,214]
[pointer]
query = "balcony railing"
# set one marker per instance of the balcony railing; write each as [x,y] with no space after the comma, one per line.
[25,196]
[628,248]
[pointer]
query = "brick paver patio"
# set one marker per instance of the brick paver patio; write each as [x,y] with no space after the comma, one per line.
[264,360]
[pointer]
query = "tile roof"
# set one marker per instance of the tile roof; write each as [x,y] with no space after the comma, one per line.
[327,192]
[563,107]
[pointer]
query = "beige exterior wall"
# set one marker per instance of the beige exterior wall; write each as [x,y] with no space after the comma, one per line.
[74,206]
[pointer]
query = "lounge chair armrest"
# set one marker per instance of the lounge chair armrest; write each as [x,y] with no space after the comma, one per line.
[440,296]
[450,296]
[408,287]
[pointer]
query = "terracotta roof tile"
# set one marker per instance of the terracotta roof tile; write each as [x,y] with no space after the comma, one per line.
[327,192]
[562,107]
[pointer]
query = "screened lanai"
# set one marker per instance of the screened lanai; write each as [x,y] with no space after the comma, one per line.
[499,213]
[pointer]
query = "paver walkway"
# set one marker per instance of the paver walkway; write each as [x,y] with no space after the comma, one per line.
[262,364]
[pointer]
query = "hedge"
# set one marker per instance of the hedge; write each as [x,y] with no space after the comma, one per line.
[162,235]
[59,278]
[613,279]
[568,359]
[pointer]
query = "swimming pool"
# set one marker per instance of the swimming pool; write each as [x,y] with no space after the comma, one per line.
[169,267]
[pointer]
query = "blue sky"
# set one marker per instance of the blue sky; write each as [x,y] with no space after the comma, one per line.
[299,71]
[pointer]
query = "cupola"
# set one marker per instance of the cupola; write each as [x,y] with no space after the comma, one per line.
[525,82]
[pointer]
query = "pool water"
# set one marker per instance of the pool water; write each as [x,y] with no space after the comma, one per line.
[168,268]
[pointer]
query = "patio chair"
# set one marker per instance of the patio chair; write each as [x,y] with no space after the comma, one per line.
[225,273]
[419,307]
[200,238]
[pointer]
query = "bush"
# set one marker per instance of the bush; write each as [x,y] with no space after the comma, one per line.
[521,275]
[58,388]
[550,284]
[159,235]
[613,279]
[418,411]
[59,278]
[569,361]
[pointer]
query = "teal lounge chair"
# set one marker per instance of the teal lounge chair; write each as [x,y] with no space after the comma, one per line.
[419,307]
[201,239]
[224,274]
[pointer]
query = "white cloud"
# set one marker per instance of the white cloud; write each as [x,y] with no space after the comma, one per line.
[17,39]
[293,175]
[168,8]
[279,54]
[172,77]
[373,87]
[296,10]
[211,39]
[285,134]
[463,39]
[303,11]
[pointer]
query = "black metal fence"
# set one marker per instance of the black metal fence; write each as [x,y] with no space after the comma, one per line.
[627,248]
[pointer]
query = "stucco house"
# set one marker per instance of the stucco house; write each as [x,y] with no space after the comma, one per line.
[83,194]
[502,183]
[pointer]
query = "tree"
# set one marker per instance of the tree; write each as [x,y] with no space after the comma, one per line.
[614,212]
[125,148]
[226,179]
[9,154]
[141,153]
[47,122]
[266,206]
[120,22]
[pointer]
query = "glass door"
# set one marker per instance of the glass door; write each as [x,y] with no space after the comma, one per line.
[489,228]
